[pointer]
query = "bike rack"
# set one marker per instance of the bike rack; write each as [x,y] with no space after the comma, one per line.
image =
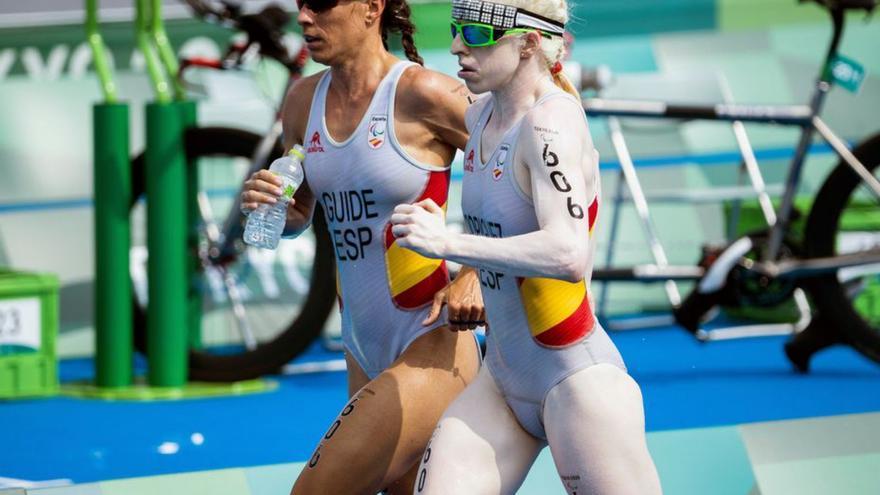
[174,306]
[661,270]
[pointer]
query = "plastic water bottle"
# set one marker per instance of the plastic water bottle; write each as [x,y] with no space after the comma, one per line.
[265,224]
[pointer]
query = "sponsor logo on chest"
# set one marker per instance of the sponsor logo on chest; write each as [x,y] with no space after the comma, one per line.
[469,162]
[315,144]
[376,132]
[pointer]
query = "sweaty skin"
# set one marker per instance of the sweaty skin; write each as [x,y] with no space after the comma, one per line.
[378,437]
[560,176]
[551,374]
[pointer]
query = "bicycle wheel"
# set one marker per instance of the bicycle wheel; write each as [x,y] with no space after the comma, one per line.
[287,294]
[845,218]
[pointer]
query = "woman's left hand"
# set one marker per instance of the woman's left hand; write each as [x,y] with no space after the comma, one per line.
[463,300]
[421,227]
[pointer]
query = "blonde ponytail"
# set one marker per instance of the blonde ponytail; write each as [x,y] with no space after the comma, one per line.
[564,83]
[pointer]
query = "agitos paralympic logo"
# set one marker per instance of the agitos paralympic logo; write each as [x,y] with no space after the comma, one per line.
[376,135]
[315,144]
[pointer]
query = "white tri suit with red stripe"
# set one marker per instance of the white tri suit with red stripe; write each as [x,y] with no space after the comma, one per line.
[385,291]
[541,330]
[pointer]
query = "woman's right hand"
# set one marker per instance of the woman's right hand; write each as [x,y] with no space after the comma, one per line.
[263,187]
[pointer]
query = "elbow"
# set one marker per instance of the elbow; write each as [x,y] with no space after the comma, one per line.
[574,263]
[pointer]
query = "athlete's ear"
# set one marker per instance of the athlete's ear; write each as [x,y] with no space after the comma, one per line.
[375,8]
[531,44]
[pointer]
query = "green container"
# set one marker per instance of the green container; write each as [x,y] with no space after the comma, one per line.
[28,327]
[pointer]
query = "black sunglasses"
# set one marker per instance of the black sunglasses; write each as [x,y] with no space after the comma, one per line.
[317,5]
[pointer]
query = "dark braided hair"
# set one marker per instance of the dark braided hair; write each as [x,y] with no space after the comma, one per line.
[396,19]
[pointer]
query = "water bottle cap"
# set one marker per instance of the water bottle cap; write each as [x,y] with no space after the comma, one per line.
[296,151]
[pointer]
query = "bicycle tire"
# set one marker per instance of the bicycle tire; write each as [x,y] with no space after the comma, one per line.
[830,296]
[270,356]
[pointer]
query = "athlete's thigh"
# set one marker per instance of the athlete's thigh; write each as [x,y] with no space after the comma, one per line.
[357,377]
[595,426]
[383,429]
[478,447]
[430,374]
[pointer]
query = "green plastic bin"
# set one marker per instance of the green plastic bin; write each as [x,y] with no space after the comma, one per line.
[28,328]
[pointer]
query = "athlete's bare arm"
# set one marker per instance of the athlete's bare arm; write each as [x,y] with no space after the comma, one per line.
[439,102]
[563,183]
[265,187]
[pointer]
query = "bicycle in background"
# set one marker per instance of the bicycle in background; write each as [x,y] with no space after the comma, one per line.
[838,261]
[260,308]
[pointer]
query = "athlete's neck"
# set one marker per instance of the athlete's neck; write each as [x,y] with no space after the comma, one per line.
[360,75]
[516,98]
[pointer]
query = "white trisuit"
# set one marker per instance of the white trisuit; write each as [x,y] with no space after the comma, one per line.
[385,292]
[551,374]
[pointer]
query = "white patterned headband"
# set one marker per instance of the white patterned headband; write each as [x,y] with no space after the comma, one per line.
[503,16]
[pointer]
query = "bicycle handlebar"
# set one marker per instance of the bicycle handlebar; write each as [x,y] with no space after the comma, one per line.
[265,28]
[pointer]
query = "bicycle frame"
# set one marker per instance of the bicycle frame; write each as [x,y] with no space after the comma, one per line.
[804,116]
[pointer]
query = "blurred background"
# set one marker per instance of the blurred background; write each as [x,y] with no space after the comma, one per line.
[685,51]
[763,51]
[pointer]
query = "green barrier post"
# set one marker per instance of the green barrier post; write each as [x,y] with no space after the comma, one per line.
[112,196]
[166,188]
[189,119]
[188,116]
[113,312]
[166,243]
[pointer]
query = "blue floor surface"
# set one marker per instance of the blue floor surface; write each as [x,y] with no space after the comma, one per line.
[685,385]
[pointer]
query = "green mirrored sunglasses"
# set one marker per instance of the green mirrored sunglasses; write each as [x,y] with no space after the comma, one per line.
[478,34]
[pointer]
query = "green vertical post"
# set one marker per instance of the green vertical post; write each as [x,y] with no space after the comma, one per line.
[167,244]
[189,118]
[112,199]
[112,193]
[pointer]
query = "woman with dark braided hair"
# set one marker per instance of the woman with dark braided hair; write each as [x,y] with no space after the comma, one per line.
[377,132]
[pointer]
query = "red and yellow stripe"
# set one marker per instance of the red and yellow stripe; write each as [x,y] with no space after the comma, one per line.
[593,213]
[558,312]
[413,278]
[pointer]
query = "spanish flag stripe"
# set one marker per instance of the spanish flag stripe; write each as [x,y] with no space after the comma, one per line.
[570,330]
[548,302]
[437,187]
[406,268]
[593,212]
[423,292]
[414,279]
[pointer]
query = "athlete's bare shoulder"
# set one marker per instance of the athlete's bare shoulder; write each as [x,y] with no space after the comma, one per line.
[437,100]
[430,89]
[297,105]
[558,114]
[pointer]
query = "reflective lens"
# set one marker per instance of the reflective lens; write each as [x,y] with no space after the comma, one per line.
[479,34]
[476,34]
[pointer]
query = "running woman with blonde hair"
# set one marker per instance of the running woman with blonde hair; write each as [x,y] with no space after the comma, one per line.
[530,199]
[378,131]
